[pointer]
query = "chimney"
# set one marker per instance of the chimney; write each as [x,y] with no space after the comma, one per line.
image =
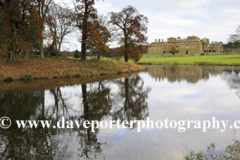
[159,40]
[162,40]
[178,37]
[156,40]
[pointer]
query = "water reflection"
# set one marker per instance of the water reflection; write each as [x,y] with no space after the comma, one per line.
[192,74]
[133,97]
[95,103]
[131,100]
[233,79]
[24,144]
[178,73]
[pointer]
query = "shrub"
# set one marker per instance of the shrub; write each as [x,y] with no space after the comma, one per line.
[76,54]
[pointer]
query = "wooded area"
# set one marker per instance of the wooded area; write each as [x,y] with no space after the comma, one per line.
[39,27]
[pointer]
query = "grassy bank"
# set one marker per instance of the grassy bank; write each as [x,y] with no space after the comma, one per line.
[229,60]
[61,68]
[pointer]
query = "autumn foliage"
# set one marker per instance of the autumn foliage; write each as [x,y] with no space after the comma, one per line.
[132,27]
[97,40]
[20,26]
[39,26]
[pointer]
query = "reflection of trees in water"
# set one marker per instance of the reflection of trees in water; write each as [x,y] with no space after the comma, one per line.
[233,79]
[97,102]
[59,103]
[131,100]
[19,143]
[191,74]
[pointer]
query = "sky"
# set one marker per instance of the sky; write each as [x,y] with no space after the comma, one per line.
[213,19]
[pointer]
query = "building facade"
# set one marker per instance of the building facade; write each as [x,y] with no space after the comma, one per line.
[192,44]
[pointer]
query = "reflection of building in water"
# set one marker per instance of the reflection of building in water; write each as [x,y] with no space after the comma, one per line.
[178,73]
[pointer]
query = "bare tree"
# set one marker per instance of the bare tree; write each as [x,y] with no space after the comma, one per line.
[59,22]
[43,8]
[234,38]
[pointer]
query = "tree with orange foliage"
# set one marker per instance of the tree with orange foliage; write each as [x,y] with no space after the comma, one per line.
[132,27]
[100,36]
[85,15]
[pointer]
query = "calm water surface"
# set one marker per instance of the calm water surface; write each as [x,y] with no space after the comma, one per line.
[173,92]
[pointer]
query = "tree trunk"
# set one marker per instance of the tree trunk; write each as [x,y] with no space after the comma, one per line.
[84,34]
[59,47]
[41,48]
[98,57]
[126,86]
[126,58]
[83,47]
[125,51]
[27,54]
[85,102]
[10,59]
[43,104]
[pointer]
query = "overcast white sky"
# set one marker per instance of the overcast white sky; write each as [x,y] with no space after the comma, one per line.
[214,19]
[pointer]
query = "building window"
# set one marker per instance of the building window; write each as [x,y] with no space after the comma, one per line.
[187,47]
[192,47]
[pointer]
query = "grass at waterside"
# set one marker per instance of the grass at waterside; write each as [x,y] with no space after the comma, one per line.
[50,68]
[229,60]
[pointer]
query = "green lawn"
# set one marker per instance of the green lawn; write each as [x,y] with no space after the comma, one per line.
[182,53]
[103,58]
[157,54]
[231,59]
[152,54]
[207,59]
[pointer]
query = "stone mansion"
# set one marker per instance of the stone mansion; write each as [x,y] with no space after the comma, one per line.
[190,44]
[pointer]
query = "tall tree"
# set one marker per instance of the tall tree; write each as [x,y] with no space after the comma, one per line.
[43,8]
[85,14]
[132,27]
[19,25]
[59,24]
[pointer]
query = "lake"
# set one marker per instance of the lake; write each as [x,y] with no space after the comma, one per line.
[176,93]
